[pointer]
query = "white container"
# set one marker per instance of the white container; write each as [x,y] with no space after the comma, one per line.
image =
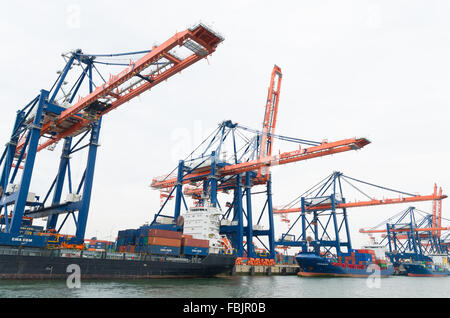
[31,197]
[165,220]
[258,227]
[73,197]
[11,188]
[225,222]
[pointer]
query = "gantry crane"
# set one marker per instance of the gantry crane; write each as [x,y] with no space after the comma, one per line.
[324,201]
[208,171]
[412,233]
[62,114]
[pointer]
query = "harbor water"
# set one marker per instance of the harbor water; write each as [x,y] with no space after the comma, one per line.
[235,287]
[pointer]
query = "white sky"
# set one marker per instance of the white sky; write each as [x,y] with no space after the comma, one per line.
[374,69]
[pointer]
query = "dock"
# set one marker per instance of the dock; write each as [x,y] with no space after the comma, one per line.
[265,270]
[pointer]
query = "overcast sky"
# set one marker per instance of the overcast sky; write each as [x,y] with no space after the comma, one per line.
[374,69]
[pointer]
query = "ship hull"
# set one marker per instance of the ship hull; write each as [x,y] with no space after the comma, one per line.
[44,267]
[312,265]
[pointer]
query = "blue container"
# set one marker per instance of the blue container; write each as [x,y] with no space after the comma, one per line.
[23,240]
[191,250]
[163,250]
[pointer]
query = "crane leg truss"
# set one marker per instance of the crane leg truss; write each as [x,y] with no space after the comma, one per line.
[323,219]
[322,230]
[58,114]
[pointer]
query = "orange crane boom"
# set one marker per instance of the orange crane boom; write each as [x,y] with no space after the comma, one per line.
[270,118]
[130,82]
[366,203]
[427,229]
[270,115]
[324,149]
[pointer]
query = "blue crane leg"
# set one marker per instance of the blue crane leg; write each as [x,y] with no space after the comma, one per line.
[53,219]
[35,129]
[250,248]
[89,177]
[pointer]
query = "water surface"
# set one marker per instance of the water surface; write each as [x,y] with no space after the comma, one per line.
[236,287]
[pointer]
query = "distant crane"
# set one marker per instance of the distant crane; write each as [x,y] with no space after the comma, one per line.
[322,227]
[412,233]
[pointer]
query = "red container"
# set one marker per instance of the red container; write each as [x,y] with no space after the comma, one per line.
[162,241]
[165,234]
[194,242]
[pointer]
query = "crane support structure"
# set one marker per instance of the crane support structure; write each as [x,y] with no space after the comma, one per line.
[208,170]
[75,117]
[411,234]
[323,219]
[156,66]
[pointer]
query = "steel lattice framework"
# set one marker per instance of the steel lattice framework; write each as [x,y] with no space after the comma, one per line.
[208,170]
[323,219]
[412,233]
[62,114]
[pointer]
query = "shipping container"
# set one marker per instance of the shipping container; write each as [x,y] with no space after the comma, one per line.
[192,250]
[163,250]
[162,241]
[162,233]
[194,242]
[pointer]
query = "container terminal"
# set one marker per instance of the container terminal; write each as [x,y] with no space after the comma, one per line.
[209,237]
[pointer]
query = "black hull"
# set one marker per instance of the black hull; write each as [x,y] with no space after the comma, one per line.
[45,267]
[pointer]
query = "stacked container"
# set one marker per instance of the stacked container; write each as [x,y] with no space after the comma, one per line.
[191,246]
[31,230]
[158,242]
[96,245]
[126,240]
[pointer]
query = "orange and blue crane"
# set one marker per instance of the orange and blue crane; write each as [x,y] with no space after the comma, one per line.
[412,234]
[322,213]
[210,170]
[74,115]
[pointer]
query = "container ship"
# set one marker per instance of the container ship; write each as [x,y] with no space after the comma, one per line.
[357,263]
[430,266]
[146,252]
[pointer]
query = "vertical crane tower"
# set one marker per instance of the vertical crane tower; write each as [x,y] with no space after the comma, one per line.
[56,114]
[270,117]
